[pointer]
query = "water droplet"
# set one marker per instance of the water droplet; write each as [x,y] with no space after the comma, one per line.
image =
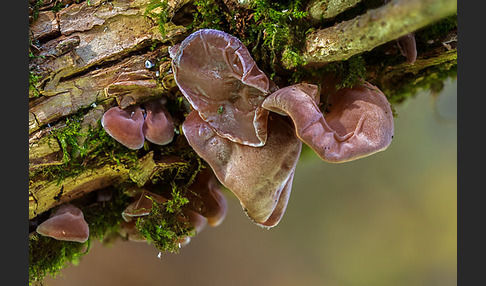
[149,64]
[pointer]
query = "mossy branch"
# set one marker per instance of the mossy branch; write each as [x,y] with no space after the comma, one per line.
[326,9]
[372,29]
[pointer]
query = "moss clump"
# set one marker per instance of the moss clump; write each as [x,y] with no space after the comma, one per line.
[271,30]
[437,30]
[209,15]
[49,256]
[166,226]
[158,10]
[33,81]
[348,72]
[432,79]
[35,8]
[277,27]
[104,218]
[96,149]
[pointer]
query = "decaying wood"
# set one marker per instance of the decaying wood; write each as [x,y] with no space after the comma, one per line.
[90,61]
[46,194]
[89,56]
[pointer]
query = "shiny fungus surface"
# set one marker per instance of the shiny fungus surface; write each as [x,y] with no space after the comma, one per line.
[359,121]
[158,126]
[125,125]
[260,177]
[65,223]
[219,78]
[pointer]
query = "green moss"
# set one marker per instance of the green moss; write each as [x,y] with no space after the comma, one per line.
[97,149]
[277,27]
[181,173]
[436,30]
[348,72]
[33,81]
[166,225]
[209,15]
[104,218]
[158,10]
[271,30]
[35,8]
[49,256]
[430,79]
[57,7]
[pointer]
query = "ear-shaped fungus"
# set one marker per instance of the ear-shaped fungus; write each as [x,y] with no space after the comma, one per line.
[158,126]
[261,178]
[142,206]
[217,75]
[125,125]
[205,197]
[65,223]
[359,122]
[408,47]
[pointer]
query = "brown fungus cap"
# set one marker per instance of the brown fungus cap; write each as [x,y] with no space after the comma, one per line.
[125,125]
[359,122]
[158,126]
[142,205]
[219,78]
[65,223]
[206,198]
[408,47]
[260,177]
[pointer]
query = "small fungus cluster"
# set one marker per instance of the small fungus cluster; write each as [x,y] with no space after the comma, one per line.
[207,205]
[132,125]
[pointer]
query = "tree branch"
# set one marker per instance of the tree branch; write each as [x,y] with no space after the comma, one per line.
[326,9]
[372,29]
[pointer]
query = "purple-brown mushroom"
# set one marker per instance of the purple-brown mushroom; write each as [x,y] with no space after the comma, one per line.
[219,78]
[125,125]
[65,223]
[408,47]
[158,126]
[260,177]
[142,206]
[206,198]
[359,121]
